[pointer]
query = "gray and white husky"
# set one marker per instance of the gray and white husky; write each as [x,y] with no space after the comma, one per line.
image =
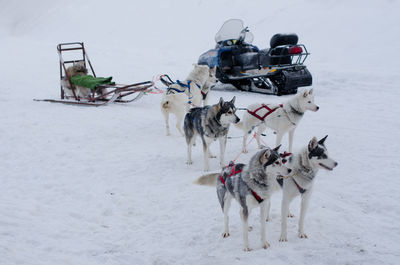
[210,123]
[305,166]
[251,185]
[280,118]
[177,98]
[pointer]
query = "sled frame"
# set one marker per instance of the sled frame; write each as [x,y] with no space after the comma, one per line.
[121,90]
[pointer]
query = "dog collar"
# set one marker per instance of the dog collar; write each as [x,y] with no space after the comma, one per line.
[305,169]
[296,111]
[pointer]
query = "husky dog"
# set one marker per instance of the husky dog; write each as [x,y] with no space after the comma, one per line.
[69,89]
[180,96]
[251,185]
[211,123]
[210,83]
[304,167]
[280,118]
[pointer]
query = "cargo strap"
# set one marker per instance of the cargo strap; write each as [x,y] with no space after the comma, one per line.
[234,172]
[263,106]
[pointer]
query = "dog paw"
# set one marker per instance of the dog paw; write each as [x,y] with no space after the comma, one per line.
[268,219]
[225,235]
[189,162]
[290,215]
[212,156]
[283,239]
[247,249]
[302,235]
[244,151]
[265,245]
[250,228]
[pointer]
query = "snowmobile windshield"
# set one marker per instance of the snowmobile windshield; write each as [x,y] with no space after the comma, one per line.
[233,29]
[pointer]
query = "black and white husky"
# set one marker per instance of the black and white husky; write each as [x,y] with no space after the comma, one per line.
[280,118]
[210,123]
[305,166]
[251,185]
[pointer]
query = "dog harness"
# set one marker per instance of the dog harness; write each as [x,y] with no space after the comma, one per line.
[182,91]
[280,180]
[234,172]
[263,106]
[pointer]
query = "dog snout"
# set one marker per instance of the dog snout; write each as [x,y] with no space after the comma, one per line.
[237,119]
[317,108]
[336,163]
[289,170]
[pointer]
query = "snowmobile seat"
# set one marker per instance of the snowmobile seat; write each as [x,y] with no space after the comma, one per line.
[247,60]
[264,58]
[281,40]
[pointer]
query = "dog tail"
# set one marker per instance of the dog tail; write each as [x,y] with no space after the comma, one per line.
[165,105]
[207,180]
[166,102]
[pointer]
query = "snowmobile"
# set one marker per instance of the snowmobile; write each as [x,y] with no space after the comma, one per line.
[276,70]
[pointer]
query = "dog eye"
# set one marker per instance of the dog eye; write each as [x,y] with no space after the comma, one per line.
[230,112]
[277,163]
[309,101]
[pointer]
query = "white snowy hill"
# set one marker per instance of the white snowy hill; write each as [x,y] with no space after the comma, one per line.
[105,185]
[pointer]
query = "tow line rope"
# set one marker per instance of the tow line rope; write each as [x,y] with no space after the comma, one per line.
[241,152]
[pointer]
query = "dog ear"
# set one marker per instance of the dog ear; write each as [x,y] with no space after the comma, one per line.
[312,144]
[277,148]
[322,140]
[221,102]
[305,94]
[310,91]
[265,155]
[233,100]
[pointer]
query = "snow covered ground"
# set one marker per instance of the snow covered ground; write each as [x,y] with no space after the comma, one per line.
[105,185]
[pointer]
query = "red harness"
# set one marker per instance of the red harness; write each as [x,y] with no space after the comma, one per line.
[234,172]
[263,106]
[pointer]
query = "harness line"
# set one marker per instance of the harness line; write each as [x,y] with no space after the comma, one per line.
[241,152]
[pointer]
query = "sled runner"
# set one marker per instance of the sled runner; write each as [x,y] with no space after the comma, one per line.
[102,91]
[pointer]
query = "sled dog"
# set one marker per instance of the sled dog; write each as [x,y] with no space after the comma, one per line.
[251,185]
[305,166]
[210,83]
[280,118]
[69,89]
[181,95]
[210,123]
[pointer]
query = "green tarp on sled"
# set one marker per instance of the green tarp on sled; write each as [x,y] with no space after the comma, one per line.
[90,81]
